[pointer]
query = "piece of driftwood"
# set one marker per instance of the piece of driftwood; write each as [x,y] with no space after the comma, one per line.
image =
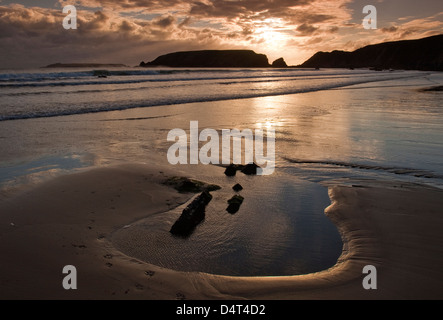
[191,216]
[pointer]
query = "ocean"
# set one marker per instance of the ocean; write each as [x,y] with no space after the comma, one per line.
[331,126]
[55,92]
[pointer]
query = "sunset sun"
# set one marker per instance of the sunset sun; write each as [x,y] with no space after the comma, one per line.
[271,32]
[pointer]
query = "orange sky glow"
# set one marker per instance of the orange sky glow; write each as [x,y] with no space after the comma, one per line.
[129,31]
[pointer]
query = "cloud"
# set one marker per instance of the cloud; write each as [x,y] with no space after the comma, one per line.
[129,31]
[422,27]
[306,30]
[390,29]
[164,22]
[35,37]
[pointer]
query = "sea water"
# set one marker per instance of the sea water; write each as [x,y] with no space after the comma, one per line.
[330,125]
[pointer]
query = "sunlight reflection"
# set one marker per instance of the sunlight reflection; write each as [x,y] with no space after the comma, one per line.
[269,111]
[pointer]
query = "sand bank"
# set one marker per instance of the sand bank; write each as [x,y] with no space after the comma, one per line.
[69,220]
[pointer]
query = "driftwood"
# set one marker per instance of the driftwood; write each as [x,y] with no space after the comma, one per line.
[191,216]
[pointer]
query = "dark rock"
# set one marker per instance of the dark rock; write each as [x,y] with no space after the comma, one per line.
[237,187]
[185,185]
[231,170]
[279,63]
[191,216]
[436,88]
[421,54]
[250,169]
[234,204]
[211,59]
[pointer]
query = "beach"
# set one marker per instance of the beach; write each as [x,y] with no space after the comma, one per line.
[69,221]
[357,183]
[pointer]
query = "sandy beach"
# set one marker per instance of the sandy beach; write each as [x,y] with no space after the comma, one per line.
[356,183]
[69,220]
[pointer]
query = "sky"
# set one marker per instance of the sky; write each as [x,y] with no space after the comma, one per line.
[131,31]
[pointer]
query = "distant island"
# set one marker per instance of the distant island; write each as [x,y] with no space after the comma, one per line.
[214,59]
[423,54]
[85,65]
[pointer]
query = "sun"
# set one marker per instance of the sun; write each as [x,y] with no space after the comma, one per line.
[271,32]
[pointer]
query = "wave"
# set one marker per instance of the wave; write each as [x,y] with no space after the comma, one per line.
[42,76]
[187,82]
[259,78]
[200,96]
[127,81]
[419,173]
[98,77]
[29,76]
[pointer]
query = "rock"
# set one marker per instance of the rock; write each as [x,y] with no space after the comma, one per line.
[250,169]
[186,185]
[436,88]
[211,59]
[279,63]
[231,170]
[191,216]
[237,187]
[234,204]
[420,54]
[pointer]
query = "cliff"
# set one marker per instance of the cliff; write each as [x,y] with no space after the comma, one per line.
[422,54]
[211,59]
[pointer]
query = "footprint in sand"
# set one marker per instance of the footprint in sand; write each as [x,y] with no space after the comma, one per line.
[81,246]
[138,286]
[180,296]
[149,273]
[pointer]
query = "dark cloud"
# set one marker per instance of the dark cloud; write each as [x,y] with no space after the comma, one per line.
[97,22]
[333,29]
[389,29]
[164,22]
[306,30]
[126,26]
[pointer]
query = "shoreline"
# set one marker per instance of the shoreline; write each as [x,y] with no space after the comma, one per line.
[69,220]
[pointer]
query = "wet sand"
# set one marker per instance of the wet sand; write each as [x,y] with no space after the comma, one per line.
[69,220]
